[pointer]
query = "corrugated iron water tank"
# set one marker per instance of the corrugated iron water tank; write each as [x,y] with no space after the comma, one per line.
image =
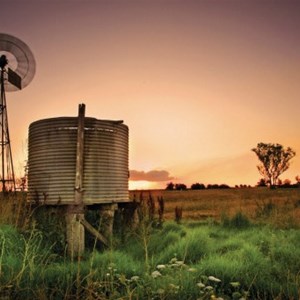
[52,161]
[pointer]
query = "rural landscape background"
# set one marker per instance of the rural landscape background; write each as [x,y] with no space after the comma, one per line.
[200,84]
[240,243]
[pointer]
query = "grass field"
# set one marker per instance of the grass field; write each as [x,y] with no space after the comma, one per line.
[278,206]
[230,244]
[178,261]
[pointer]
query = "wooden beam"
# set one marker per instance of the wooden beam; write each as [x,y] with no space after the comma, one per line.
[93,231]
[79,155]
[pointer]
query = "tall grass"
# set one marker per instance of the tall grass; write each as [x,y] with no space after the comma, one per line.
[22,258]
[260,262]
[194,260]
[280,207]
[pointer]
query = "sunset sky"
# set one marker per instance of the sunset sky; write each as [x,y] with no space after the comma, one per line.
[199,83]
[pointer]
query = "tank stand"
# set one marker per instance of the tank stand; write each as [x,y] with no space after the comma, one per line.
[76,225]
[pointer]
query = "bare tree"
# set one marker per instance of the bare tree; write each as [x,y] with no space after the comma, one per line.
[275,160]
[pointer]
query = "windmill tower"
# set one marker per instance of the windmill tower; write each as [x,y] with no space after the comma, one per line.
[17,68]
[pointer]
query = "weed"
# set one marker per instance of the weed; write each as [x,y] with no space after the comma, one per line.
[178,214]
[161,209]
[239,220]
[264,209]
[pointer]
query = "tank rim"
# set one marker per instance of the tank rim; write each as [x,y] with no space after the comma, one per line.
[89,119]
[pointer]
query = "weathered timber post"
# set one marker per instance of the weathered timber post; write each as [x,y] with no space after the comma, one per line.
[75,211]
[107,213]
[74,232]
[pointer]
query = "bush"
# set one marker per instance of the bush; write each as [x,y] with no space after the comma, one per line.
[239,220]
[191,248]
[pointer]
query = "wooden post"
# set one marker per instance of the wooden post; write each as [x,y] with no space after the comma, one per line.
[107,213]
[75,234]
[79,156]
[75,212]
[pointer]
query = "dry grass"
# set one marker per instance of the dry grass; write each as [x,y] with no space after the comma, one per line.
[14,209]
[279,206]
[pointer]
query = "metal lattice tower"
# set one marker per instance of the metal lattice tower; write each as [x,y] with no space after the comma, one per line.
[7,169]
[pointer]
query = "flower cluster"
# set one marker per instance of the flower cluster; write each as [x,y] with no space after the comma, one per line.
[166,281]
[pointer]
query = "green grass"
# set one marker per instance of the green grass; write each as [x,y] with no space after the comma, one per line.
[259,261]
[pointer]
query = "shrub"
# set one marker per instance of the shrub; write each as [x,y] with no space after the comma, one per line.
[264,209]
[239,220]
[190,248]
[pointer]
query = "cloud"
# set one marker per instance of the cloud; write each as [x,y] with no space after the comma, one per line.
[154,175]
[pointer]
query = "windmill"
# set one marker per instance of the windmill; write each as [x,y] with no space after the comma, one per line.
[17,67]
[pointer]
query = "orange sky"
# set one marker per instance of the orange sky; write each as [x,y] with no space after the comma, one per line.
[199,83]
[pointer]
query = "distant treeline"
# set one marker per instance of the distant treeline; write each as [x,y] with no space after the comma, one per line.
[200,186]
[196,186]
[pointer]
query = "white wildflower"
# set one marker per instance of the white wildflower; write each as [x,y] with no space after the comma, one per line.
[155,274]
[200,285]
[111,266]
[134,278]
[235,284]
[209,288]
[212,278]
[173,260]
[192,270]
[160,267]
[173,286]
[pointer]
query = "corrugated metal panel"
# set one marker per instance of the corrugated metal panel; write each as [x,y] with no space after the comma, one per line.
[52,161]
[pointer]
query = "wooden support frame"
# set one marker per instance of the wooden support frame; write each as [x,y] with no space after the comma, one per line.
[93,231]
[75,220]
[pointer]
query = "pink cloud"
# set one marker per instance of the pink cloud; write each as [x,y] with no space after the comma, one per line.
[153,175]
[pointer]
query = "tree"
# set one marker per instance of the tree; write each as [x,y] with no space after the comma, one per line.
[261,182]
[170,186]
[287,183]
[180,187]
[224,186]
[275,160]
[197,186]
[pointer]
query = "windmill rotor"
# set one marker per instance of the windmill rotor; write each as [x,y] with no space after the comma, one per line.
[20,61]
[17,69]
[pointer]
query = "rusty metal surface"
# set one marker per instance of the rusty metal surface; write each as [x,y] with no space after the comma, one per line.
[52,161]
